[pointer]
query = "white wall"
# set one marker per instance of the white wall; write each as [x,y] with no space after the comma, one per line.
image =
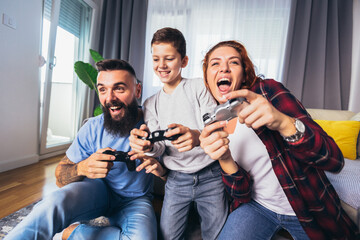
[19,81]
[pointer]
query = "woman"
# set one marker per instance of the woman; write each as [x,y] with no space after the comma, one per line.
[273,156]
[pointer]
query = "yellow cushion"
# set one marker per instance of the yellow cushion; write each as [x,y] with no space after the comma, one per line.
[345,134]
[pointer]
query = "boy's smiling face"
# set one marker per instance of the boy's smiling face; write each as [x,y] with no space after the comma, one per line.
[167,64]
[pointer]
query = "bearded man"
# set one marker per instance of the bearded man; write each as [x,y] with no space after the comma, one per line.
[91,183]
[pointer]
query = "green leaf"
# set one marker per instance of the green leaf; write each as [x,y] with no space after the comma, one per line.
[97,111]
[96,56]
[87,73]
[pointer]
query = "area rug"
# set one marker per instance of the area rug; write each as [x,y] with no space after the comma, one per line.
[9,222]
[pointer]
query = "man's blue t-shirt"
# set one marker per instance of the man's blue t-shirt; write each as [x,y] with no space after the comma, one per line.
[93,136]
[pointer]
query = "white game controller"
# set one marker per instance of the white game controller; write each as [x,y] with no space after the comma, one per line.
[225,111]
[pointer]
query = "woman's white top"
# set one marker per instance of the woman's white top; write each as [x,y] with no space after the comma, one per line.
[250,153]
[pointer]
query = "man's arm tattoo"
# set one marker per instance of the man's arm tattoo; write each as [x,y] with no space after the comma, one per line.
[66,172]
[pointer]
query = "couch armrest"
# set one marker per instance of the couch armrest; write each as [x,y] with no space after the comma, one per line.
[326,114]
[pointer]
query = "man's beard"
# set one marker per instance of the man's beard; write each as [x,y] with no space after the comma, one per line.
[120,127]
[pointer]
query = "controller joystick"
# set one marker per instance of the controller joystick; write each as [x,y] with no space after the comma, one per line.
[121,156]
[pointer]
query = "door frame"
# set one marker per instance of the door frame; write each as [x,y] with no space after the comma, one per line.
[44,151]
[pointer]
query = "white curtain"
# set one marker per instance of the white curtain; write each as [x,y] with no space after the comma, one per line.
[261,25]
[354,101]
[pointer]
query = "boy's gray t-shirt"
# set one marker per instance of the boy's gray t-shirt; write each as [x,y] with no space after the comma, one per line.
[185,105]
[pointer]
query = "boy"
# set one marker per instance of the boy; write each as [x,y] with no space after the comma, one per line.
[193,176]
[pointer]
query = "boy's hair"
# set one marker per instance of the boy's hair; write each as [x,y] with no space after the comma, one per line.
[173,36]
[115,64]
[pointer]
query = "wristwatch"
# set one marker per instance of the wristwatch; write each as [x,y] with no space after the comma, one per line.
[300,130]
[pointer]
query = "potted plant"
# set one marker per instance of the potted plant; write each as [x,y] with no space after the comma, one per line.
[88,74]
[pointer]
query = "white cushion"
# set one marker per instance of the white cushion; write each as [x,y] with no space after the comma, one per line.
[347,182]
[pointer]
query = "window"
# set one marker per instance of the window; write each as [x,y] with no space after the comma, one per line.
[261,25]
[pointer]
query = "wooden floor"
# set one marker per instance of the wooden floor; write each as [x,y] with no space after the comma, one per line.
[23,186]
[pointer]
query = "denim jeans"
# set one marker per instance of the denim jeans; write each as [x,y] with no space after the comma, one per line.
[253,221]
[130,218]
[206,189]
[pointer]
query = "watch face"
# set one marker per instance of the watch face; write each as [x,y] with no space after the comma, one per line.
[300,126]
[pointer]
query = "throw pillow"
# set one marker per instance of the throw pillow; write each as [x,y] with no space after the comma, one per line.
[344,133]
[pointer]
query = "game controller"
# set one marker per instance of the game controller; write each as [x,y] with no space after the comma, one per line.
[121,157]
[225,111]
[159,136]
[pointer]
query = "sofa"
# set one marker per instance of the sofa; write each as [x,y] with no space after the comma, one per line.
[344,127]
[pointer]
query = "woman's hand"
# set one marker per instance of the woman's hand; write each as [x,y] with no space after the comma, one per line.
[214,140]
[215,143]
[260,112]
[188,140]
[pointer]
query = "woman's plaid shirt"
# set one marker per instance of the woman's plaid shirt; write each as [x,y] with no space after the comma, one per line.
[300,170]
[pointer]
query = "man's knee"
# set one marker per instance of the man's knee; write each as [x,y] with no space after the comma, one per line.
[61,200]
[140,222]
[55,199]
[141,226]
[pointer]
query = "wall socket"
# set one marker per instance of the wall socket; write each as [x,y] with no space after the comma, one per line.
[9,21]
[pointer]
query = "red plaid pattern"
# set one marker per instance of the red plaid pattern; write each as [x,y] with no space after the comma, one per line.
[300,170]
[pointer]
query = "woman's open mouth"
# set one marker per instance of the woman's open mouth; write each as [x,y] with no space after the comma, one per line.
[224,85]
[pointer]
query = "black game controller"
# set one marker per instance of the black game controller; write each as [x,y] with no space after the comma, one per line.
[159,136]
[121,157]
[225,111]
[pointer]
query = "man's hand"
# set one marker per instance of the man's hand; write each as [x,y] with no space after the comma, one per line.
[138,145]
[95,166]
[188,140]
[151,165]
[67,171]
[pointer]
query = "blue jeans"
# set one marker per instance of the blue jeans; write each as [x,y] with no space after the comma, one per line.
[206,189]
[253,221]
[130,218]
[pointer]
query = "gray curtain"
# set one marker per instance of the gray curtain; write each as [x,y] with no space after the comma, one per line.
[318,56]
[122,33]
